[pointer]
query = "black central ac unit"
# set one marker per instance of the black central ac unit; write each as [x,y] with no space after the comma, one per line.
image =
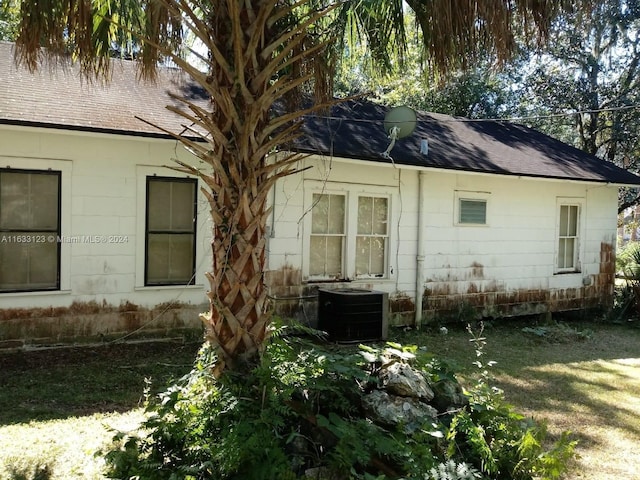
[353,314]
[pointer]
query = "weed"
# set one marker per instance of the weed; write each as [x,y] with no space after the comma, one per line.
[301,408]
[558,333]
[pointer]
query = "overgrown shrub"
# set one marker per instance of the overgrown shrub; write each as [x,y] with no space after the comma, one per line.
[299,410]
[627,296]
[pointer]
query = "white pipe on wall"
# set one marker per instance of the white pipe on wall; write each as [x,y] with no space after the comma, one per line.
[421,249]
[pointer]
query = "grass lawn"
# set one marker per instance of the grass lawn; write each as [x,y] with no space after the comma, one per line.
[57,406]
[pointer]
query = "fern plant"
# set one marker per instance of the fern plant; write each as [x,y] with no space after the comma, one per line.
[301,408]
[451,470]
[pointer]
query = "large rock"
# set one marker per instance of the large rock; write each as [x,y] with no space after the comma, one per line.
[392,410]
[448,395]
[402,379]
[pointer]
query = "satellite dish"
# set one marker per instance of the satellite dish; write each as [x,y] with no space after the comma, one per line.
[404,118]
[399,122]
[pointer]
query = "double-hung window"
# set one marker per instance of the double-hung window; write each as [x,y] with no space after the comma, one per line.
[328,218]
[373,236]
[29,230]
[170,234]
[568,241]
[349,236]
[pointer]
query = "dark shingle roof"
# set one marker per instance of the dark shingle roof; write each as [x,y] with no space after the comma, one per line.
[57,97]
[356,130]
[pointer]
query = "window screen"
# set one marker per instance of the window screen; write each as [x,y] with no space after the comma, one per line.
[372,238]
[29,230]
[170,231]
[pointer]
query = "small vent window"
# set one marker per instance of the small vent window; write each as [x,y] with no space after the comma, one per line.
[473,212]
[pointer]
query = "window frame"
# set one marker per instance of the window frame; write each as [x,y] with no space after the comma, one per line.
[147,232]
[342,236]
[385,266]
[579,234]
[470,196]
[49,232]
[352,194]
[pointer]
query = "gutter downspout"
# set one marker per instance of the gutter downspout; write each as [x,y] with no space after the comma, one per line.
[421,249]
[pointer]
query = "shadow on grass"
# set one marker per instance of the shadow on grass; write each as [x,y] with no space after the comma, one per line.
[577,402]
[61,383]
[36,473]
[580,384]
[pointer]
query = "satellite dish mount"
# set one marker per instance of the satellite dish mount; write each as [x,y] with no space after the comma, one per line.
[399,122]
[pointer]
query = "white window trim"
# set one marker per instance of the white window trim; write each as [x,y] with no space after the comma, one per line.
[351,193]
[579,252]
[460,195]
[65,169]
[203,229]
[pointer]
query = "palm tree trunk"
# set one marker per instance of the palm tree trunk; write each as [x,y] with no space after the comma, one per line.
[250,46]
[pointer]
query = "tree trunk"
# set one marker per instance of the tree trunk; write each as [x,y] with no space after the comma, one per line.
[251,44]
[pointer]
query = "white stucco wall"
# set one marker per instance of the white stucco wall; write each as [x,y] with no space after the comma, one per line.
[102,216]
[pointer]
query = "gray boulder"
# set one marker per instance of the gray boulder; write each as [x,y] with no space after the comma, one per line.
[448,395]
[393,411]
[402,379]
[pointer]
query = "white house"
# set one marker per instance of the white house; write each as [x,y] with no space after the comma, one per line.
[491,219]
[99,239]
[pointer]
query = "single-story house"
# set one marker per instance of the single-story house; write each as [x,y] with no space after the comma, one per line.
[461,218]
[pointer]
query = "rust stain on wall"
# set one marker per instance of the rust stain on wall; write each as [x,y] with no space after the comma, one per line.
[401,303]
[92,321]
[443,300]
[444,296]
[287,295]
[477,270]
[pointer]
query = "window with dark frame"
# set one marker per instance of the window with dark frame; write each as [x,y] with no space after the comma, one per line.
[170,231]
[30,203]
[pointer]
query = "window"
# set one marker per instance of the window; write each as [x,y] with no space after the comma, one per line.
[170,234]
[327,235]
[473,212]
[371,242]
[29,230]
[471,208]
[568,238]
[348,246]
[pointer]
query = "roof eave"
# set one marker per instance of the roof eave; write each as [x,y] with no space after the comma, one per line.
[89,129]
[415,165]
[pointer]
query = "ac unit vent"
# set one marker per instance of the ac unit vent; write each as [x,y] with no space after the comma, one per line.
[353,314]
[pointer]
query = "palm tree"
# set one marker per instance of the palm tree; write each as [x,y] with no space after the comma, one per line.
[258,52]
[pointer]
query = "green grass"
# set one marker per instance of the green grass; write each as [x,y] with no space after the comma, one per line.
[58,407]
[580,377]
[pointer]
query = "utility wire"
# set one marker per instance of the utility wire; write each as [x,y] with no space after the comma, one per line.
[505,119]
